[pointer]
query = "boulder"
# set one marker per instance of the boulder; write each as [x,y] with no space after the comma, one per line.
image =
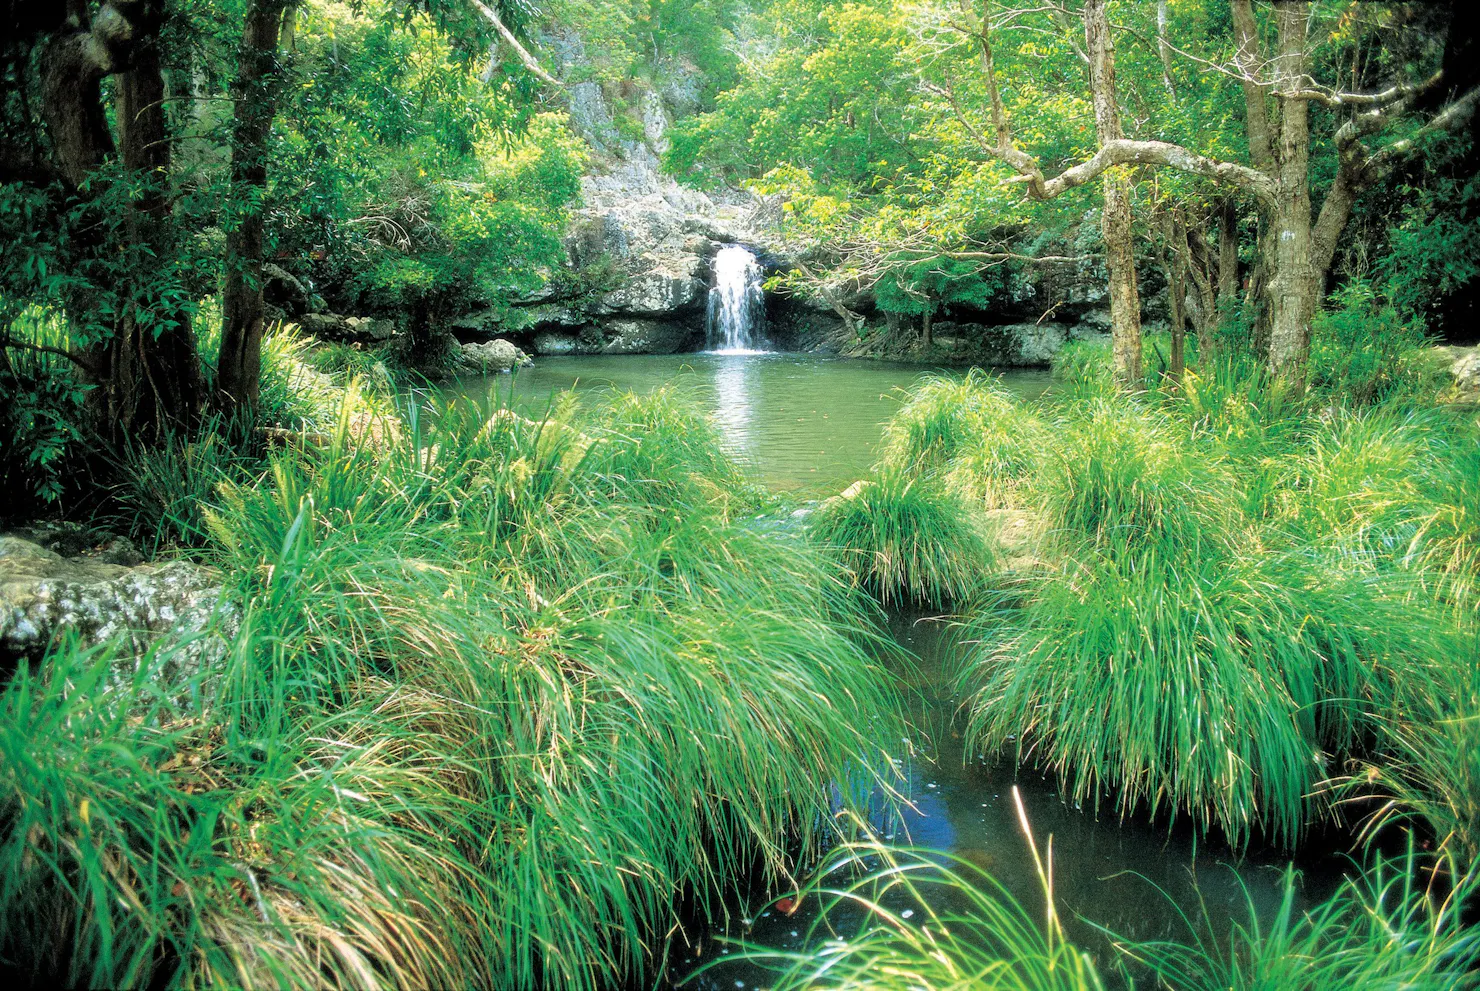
[647,337]
[497,355]
[284,290]
[360,330]
[44,595]
[551,342]
[1465,370]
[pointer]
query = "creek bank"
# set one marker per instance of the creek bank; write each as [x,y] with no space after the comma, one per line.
[101,589]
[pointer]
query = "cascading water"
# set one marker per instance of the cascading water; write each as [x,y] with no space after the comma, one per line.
[737,304]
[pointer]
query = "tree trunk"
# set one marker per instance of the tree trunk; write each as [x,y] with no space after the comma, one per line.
[1227,255]
[152,381]
[146,372]
[926,321]
[1177,295]
[1200,269]
[1115,222]
[239,368]
[1291,285]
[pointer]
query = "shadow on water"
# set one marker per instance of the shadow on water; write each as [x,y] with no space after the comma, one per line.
[1106,871]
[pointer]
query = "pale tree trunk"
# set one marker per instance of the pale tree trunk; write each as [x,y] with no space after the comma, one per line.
[1164,49]
[239,368]
[926,324]
[1115,222]
[1291,286]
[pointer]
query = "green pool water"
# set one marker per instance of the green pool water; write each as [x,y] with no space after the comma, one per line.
[802,422]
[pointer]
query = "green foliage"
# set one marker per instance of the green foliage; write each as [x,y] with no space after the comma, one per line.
[907,540]
[1084,369]
[967,431]
[1382,929]
[41,422]
[163,489]
[1362,349]
[502,687]
[1188,647]
[971,932]
[932,921]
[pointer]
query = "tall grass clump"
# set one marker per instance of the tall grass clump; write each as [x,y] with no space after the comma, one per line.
[1384,928]
[969,431]
[1179,655]
[1083,369]
[1426,772]
[505,691]
[906,540]
[928,920]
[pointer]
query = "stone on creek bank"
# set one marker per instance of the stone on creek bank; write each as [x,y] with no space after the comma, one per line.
[44,596]
[361,330]
[487,357]
[1465,370]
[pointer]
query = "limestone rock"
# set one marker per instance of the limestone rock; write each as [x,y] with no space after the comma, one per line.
[1466,373]
[497,355]
[647,337]
[333,327]
[551,342]
[44,595]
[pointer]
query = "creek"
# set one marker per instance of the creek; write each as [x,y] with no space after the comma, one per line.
[811,425]
[803,423]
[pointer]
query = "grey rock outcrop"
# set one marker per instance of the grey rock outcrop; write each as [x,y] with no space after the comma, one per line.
[333,327]
[497,355]
[1465,370]
[44,595]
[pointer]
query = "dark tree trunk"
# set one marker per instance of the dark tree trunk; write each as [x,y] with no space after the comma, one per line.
[151,378]
[927,320]
[1176,234]
[239,368]
[147,372]
[1227,255]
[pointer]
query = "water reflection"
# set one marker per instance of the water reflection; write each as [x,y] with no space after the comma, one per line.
[733,385]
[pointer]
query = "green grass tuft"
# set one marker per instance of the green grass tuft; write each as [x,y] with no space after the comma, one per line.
[907,540]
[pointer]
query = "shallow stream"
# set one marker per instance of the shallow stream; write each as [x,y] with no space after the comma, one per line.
[811,426]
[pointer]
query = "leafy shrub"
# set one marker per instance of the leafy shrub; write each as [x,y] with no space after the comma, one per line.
[1361,349]
[41,420]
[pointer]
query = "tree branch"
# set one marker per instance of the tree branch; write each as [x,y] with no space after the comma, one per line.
[72,356]
[529,60]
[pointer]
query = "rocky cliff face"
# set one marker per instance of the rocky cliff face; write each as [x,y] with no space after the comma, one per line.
[641,246]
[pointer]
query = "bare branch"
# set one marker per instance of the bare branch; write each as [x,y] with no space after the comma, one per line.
[527,59]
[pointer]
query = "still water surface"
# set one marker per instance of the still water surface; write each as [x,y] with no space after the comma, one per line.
[803,423]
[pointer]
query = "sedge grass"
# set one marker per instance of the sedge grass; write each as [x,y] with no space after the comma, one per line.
[503,689]
[1382,929]
[928,920]
[1182,652]
[907,540]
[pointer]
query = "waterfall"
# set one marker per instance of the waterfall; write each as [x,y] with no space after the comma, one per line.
[737,305]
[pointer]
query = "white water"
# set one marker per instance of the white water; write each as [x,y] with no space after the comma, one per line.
[737,304]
